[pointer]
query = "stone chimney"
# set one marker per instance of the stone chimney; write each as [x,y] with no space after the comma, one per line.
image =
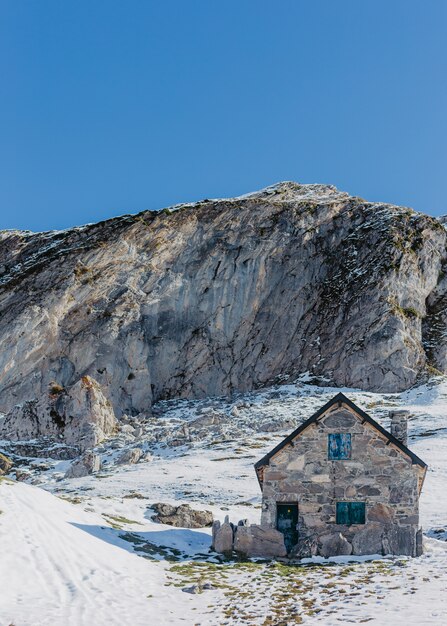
[399,425]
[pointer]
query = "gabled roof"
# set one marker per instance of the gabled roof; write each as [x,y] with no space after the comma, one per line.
[338,399]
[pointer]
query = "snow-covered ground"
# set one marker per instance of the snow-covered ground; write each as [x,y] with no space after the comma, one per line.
[85,551]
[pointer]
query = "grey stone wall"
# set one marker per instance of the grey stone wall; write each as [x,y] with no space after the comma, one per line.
[378,474]
[251,541]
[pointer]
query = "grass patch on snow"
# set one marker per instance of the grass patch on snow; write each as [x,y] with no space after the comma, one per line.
[117,521]
[72,499]
[264,593]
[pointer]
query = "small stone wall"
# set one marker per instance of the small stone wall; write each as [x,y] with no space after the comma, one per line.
[253,540]
[262,541]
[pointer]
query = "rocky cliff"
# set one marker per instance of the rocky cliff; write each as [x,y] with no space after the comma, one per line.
[224,295]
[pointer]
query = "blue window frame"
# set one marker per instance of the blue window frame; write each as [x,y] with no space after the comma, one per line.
[339,446]
[350,513]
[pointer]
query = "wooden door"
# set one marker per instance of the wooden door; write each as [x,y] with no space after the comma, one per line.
[286,523]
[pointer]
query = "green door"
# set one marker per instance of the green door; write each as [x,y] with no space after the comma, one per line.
[286,523]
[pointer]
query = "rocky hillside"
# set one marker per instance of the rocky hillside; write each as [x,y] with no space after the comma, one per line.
[221,296]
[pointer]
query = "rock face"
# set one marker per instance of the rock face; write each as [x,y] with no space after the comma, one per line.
[82,415]
[182,516]
[224,295]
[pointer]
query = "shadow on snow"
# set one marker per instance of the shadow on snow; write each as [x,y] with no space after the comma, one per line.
[174,544]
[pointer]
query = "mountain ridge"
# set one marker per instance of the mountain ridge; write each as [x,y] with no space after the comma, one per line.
[225,295]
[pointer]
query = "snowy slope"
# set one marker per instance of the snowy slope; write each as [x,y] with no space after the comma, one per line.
[60,566]
[82,563]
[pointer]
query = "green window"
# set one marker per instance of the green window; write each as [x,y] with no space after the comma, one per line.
[350,513]
[339,446]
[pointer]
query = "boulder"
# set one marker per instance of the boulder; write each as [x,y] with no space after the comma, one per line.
[368,540]
[22,475]
[333,544]
[129,430]
[175,443]
[208,586]
[192,589]
[5,464]
[243,540]
[208,419]
[129,456]
[88,463]
[198,588]
[222,536]
[163,509]
[260,541]
[306,548]
[182,516]
[401,540]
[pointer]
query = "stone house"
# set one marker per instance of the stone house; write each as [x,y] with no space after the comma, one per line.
[338,484]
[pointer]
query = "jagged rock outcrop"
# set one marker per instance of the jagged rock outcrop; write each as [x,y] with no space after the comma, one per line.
[81,416]
[225,295]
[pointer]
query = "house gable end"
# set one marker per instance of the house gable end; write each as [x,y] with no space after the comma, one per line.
[324,412]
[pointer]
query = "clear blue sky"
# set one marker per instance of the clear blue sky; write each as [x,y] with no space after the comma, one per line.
[109,107]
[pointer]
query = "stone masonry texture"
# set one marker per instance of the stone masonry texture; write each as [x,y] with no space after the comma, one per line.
[378,473]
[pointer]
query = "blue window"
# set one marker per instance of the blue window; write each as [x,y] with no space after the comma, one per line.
[350,513]
[339,446]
